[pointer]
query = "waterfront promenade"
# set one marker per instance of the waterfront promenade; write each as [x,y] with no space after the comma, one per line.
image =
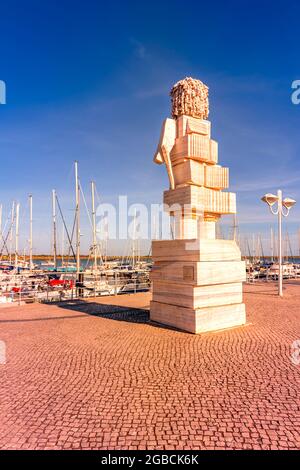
[98,375]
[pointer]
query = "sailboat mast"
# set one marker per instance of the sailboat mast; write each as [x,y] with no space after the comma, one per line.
[11,231]
[62,245]
[94,225]
[133,241]
[54,227]
[261,253]
[234,227]
[17,235]
[272,246]
[77,219]
[1,220]
[106,243]
[30,232]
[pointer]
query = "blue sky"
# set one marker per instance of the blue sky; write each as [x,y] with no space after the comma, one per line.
[90,81]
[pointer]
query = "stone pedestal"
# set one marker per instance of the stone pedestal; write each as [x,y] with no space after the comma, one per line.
[197,279]
[197,284]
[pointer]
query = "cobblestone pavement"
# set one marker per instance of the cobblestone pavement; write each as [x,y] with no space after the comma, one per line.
[89,376]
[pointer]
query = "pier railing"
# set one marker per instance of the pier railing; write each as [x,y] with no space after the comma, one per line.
[16,289]
[270,275]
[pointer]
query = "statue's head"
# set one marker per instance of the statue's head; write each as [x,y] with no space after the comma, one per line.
[190,97]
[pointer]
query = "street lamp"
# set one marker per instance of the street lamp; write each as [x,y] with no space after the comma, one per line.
[287,203]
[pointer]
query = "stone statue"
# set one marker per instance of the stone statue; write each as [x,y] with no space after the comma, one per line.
[197,279]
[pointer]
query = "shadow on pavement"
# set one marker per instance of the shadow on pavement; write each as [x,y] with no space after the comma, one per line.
[112,312]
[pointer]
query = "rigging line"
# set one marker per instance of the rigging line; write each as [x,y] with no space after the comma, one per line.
[87,262]
[8,233]
[4,228]
[72,235]
[100,252]
[124,252]
[99,202]
[290,247]
[4,243]
[66,229]
[248,246]
[69,176]
[23,211]
[4,246]
[262,248]
[97,195]
[126,257]
[85,204]
[98,231]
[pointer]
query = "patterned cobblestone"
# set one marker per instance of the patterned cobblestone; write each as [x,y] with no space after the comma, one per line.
[92,376]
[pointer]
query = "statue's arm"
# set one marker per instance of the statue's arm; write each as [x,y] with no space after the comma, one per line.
[166,143]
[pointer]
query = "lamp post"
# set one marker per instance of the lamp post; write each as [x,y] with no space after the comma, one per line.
[287,203]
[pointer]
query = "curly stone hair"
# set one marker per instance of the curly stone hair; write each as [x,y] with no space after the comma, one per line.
[190,97]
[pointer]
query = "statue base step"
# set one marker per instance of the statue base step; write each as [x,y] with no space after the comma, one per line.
[195,297]
[200,320]
[197,284]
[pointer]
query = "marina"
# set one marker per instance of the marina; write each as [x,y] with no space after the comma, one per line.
[99,370]
[27,278]
[149,232]
[66,276]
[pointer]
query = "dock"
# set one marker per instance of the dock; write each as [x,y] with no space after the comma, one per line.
[97,374]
